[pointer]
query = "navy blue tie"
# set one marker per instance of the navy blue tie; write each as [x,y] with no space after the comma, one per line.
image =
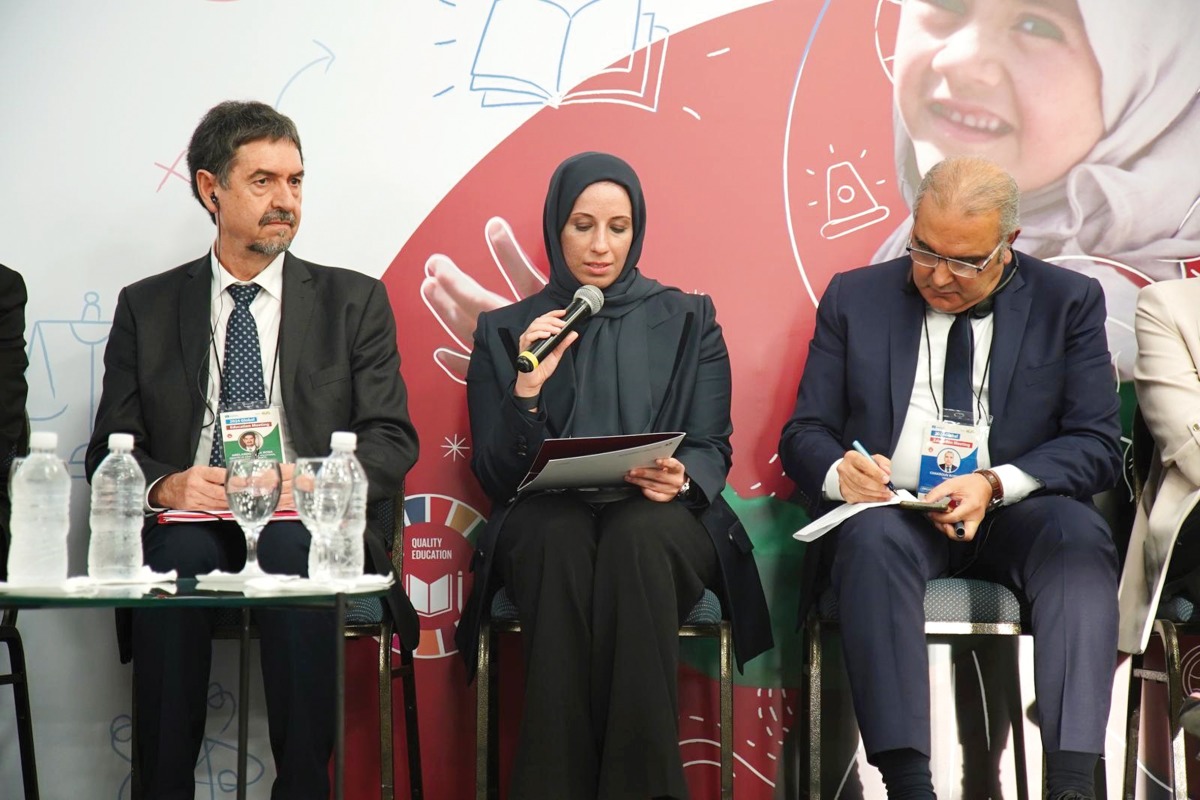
[956,380]
[241,372]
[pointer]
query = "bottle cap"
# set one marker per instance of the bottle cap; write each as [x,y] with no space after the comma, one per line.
[43,440]
[343,440]
[120,441]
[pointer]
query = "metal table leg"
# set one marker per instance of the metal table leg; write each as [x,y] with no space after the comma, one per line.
[339,711]
[243,702]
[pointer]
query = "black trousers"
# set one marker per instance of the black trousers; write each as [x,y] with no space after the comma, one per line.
[602,592]
[172,652]
[1054,551]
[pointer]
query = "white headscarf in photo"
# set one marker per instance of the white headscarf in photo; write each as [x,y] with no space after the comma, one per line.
[1128,212]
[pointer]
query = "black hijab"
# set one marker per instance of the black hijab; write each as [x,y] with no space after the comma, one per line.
[611,358]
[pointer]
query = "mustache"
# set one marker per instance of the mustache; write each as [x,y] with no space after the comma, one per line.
[278,215]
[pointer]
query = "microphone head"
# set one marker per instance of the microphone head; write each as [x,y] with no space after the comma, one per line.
[591,296]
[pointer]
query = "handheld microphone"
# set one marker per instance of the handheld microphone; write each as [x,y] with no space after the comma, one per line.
[588,300]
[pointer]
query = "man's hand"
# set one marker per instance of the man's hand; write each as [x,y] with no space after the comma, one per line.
[864,480]
[969,497]
[456,299]
[194,489]
[286,501]
[660,483]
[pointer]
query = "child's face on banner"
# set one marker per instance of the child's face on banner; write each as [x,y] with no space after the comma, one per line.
[1011,80]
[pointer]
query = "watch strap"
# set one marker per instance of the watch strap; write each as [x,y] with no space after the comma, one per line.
[997,487]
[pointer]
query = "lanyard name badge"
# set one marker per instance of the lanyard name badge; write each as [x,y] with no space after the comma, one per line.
[951,447]
[250,429]
[252,433]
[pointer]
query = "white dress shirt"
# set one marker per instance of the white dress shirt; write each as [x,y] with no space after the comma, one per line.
[267,310]
[925,403]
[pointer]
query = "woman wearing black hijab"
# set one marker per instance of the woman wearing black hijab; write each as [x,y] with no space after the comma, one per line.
[603,583]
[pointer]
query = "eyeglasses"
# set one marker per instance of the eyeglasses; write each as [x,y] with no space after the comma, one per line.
[963,269]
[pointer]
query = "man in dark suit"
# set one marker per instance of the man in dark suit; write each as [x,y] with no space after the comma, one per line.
[13,391]
[1017,348]
[249,322]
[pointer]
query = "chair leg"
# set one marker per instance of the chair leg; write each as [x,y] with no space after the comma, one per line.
[812,708]
[387,738]
[412,732]
[20,684]
[1017,720]
[726,667]
[1133,727]
[1175,697]
[483,688]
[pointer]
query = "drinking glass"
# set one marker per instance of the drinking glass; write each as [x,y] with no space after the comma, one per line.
[252,487]
[321,502]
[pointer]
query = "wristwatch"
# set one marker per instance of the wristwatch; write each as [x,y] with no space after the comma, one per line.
[997,487]
[685,490]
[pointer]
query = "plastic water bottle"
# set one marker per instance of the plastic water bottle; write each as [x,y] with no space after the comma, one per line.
[346,550]
[41,515]
[118,490]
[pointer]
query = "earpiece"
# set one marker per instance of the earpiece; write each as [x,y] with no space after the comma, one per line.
[214,199]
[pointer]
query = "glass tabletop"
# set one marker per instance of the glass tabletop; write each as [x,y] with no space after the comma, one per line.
[183,592]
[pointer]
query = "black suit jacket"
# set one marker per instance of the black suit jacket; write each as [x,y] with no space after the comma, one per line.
[689,382]
[339,370]
[13,390]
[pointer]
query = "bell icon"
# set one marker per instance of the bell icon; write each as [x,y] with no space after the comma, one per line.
[849,205]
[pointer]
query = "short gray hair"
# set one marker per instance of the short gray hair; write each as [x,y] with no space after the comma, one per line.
[973,186]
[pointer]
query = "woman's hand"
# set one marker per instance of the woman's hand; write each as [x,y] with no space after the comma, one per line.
[660,483]
[529,384]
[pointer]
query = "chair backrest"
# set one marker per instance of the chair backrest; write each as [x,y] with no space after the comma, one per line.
[388,514]
[17,448]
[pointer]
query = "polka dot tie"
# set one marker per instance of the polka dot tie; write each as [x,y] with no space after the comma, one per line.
[242,372]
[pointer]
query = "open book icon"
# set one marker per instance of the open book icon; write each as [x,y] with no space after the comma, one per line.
[535,51]
[429,598]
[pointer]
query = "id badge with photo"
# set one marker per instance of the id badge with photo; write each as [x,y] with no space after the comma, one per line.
[949,449]
[252,433]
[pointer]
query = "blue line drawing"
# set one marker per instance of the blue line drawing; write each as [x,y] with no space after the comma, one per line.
[327,59]
[787,147]
[54,350]
[533,52]
[216,751]
[444,91]
[444,42]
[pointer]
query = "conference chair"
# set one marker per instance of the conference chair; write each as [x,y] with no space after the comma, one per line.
[17,676]
[954,607]
[704,621]
[365,617]
[1176,616]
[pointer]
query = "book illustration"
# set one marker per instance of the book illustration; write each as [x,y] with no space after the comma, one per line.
[429,598]
[539,52]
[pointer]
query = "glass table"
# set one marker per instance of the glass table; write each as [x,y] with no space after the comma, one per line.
[184,593]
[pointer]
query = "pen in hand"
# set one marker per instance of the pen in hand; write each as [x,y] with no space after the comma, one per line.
[857,445]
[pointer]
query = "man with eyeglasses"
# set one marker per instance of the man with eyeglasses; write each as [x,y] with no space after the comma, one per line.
[968,345]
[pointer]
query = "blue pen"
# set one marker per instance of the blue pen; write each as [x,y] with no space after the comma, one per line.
[857,445]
